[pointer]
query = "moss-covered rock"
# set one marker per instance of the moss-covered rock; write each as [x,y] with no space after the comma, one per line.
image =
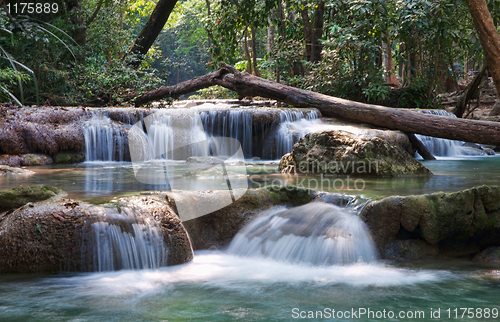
[343,153]
[458,222]
[65,157]
[17,197]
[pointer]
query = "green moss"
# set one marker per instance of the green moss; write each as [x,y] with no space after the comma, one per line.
[64,157]
[17,197]
[288,195]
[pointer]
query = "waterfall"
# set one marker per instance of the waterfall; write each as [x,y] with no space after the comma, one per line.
[316,233]
[104,140]
[115,249]
[241,124]
[185,131]
[292,127]
[444,147]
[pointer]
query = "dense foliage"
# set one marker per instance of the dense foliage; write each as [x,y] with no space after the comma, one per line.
[393,52]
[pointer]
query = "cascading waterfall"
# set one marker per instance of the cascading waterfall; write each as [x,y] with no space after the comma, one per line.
[115,249]
[239,124]
[104,140]
[444,147]
[107,141]
[293,126]
[316,233]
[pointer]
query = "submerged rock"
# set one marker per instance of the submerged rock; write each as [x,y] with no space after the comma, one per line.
[5,170]
[459,223]
[490,254]
[344,153]
[17,197]
[410,249]
[62,235]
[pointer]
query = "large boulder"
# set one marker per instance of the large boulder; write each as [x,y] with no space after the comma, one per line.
[458,223]
[343,153]
[59,235]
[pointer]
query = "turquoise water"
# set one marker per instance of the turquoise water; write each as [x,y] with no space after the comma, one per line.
[103,181]
[220,287]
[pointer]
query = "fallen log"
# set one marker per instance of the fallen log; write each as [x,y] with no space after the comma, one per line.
[409,121]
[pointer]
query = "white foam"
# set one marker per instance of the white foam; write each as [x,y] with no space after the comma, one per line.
[221,270]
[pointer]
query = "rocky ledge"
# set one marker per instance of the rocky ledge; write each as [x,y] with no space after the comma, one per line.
[453,224]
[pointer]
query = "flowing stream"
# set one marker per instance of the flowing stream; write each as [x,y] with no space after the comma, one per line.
[288,261]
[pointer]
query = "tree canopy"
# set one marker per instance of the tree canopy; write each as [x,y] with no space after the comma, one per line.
[393,52]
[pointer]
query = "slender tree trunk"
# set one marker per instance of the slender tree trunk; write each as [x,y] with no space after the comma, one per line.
[390,77]
[306,22]
[317,32]
[151,30]
[247,53]
[78,21]
[94,15]
[209,40]
[270,31]
[256,71]
[488,36]
[470,92]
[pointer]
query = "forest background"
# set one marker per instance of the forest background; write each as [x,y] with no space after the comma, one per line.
[396,53]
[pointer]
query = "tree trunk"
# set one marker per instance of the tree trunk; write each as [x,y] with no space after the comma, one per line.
[94,15]
[307,31]
[256,71]
[470,92]
[151,30]
[270,32]
[78,21]
[397,119]
[420,147]
[247,53]
[390,77]
[317,32]
[209,40]
[488,36]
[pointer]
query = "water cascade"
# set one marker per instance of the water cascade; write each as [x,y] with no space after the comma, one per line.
[316,233]
[114,248]
[240,124]
[293,126]
[104,140]
[444,147]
